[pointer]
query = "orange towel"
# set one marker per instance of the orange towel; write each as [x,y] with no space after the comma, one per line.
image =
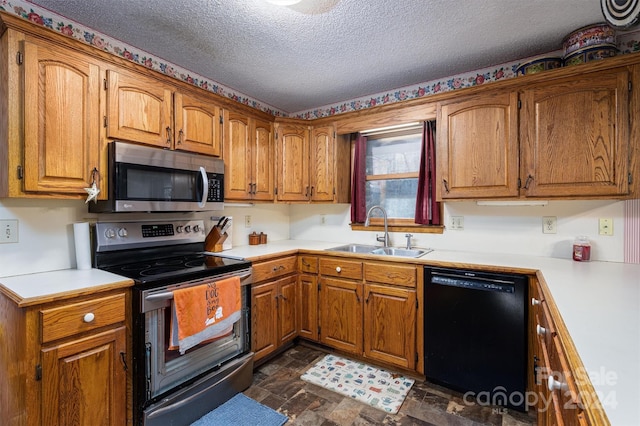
[204,312]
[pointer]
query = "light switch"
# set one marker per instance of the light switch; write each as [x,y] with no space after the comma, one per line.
[605,226]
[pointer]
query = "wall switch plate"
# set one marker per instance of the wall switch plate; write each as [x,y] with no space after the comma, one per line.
[323,219]
[457,222]
[9,231]
[549,225]
[247,221]
[605,226]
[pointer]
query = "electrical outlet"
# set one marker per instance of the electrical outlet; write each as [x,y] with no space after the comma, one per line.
[323,219]
[549,225]
[457,222]
[605,226]
[247,221]
[9,231]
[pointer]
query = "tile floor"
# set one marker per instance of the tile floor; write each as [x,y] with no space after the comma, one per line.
[277,384]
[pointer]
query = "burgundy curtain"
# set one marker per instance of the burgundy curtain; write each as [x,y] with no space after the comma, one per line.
[427,209]
[358,196]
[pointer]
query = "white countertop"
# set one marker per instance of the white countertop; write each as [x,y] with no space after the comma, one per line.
[30,289]
[599,303]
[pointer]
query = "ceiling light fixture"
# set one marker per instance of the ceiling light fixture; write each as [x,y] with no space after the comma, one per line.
[283,2]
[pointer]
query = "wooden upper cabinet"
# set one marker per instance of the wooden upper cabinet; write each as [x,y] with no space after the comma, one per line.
[61,118]
[198,125]
[293,162]
[139,109]
[248,158]
[575,136]
[262,159]
[322,163]
[477,147]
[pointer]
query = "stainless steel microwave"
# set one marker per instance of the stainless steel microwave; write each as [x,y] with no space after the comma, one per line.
[147,179]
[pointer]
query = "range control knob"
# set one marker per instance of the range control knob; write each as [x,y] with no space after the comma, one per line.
[110,233]
[122,232]
[196,228]
[187,229]
[179,229]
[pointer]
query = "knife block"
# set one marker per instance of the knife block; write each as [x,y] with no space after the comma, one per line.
[214,240]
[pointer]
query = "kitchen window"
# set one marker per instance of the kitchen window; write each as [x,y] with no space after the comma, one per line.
[390,167]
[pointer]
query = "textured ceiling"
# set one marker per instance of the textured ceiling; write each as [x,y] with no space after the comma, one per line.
[321,52]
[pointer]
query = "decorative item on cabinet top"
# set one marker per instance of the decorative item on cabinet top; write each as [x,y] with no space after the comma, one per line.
[589,43]
[538,64]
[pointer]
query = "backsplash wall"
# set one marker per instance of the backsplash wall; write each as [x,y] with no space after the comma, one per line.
[494,229]
[45,229]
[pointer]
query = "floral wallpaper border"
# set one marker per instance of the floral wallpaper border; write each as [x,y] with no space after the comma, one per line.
[627,43]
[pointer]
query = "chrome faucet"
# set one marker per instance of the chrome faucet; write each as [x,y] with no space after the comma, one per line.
[384,239]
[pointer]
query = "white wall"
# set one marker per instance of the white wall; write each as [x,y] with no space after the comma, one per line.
[494,229]
[45,229]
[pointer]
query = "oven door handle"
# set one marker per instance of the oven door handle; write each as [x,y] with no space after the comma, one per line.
[168,295]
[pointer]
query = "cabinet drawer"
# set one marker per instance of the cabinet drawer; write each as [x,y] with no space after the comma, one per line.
[308,264]
[274,268]
[390,274]
[74,318]
[341,268]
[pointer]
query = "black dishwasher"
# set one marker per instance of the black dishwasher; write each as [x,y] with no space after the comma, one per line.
[475,334]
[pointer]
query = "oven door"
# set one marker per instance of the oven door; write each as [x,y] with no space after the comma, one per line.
[165,368]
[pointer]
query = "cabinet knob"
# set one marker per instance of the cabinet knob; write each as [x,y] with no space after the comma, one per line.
[338,269]
[534,301]
[540,330]
[553,384]
[88,317]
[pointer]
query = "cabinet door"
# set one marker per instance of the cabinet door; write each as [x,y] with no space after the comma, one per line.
[139,109]
[84,382]
[308,306]
[341,314]
[390,325]
[575,138]
[262,160]
[287,309]
[322,163]
[293,163]
[61,119]
[264,320]
[477,147]
[237,157]
[197,125]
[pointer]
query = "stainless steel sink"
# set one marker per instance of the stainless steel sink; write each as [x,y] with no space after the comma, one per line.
[384,251]
[395,251]
[354,248]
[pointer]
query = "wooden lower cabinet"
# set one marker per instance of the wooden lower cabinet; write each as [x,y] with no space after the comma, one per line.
[65,362]
[308,302]
[341,314]
[83,381]
[273,315]
[558,400]
[390,325]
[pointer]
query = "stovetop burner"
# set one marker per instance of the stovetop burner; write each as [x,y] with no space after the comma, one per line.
[153,253]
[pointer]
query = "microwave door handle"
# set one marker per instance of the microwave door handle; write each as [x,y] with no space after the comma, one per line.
[205,187]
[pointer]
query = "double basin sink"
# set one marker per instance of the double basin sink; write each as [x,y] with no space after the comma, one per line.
[385,251]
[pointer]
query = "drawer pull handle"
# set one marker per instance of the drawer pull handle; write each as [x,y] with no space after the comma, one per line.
[277,268]
[540,330]
[338,269]
[88,317]
[553,384]
[534,301]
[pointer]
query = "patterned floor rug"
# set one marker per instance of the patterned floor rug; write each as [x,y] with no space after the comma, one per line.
[379,388]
